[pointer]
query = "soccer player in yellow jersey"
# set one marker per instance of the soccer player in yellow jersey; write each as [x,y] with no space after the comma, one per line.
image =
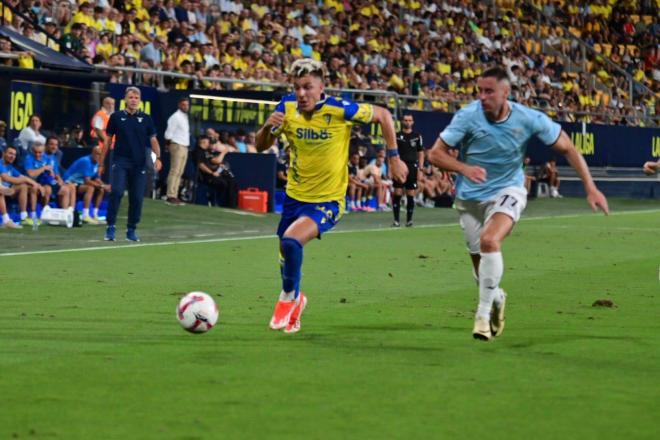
[318,129]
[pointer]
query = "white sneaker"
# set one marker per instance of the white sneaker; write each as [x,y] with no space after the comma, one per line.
[11,225]
[481,329]
[497,316]
[90,221]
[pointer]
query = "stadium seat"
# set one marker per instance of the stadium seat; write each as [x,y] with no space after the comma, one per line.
[542,190]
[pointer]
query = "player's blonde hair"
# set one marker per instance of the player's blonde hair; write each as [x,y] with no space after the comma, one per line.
[307,66]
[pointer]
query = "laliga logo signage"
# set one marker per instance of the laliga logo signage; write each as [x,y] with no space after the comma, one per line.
[655,146]
[145,106]
[22,108]
[585,143]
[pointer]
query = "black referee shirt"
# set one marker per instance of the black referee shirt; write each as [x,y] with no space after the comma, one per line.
[133,133]
[409,145]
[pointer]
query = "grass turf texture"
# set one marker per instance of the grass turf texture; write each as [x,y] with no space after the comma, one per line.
[90,348]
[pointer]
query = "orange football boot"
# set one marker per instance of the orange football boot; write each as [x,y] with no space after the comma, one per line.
[282,313]
[294,322]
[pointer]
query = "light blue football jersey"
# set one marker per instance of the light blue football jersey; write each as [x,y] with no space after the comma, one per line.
[499,147]
[80,169]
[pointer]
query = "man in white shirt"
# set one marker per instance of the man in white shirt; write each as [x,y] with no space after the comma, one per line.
[177,136]
[31,134]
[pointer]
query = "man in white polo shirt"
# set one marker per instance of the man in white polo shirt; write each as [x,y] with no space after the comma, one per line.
[178,137]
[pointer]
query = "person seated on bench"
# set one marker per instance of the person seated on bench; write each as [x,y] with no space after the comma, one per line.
[44,170]
[24,188]
[214,172]
[550,175]
[84,173]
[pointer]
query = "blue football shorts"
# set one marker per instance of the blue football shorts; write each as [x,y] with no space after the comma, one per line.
[325,214]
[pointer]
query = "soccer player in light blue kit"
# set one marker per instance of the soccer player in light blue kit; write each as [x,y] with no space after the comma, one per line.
[84,173]
[491,135]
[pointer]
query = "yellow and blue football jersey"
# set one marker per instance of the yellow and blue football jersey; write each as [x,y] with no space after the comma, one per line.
[318,164]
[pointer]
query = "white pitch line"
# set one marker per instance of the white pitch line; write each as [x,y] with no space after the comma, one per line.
[616,228]
[240,212]
[259,237]
[136,245]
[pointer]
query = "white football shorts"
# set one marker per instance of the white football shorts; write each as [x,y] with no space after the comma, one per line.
[473,215]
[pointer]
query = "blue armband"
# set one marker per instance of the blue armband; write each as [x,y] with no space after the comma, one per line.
[392,153]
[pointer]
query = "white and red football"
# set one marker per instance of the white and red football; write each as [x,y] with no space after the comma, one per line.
[197,312]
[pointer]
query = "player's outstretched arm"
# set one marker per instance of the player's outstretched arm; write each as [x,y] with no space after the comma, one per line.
[265,137]
[565,146]
[651,167]
[440,157]
[398,169]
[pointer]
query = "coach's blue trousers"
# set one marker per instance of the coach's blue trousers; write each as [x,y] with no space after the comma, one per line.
[123,172]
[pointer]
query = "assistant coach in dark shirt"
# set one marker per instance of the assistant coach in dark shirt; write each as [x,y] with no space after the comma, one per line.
[135,135]
[411,151]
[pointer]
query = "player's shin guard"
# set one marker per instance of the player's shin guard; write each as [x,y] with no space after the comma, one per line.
[410,207]
[292,251]
[491,268]
[396,206]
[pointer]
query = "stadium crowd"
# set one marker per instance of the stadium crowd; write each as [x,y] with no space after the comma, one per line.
[431,51]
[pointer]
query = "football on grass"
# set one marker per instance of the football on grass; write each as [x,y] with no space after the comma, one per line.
[197,312]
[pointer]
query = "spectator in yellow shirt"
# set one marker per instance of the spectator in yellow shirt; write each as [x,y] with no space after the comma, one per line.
[185,54]
[104,47]
[396,80]
[84,15]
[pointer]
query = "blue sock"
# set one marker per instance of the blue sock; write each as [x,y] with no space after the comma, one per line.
[292,251]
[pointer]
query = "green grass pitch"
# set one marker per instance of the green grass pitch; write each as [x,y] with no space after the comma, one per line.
[90,347]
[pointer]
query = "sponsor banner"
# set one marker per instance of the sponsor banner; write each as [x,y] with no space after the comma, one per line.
[25,101]
[59,106]
[601,145]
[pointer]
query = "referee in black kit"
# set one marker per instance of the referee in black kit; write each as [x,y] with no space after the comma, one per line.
[411,152]
[135,134]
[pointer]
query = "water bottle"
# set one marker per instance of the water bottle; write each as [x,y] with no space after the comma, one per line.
[35,224]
